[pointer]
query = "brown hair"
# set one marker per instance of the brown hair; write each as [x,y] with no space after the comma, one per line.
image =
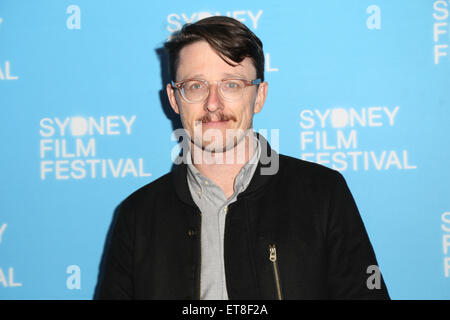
[228,37]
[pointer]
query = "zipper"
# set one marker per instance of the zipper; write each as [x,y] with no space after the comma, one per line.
[273,258]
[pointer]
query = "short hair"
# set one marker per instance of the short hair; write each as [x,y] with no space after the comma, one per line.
[228,37]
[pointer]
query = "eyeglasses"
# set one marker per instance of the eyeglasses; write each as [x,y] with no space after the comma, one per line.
[197,90]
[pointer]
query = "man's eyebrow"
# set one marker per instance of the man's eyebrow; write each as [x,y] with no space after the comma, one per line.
[198,76]
[233,75]
[224,76]
[195,76]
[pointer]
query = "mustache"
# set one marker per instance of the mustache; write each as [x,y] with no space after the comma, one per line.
[218,117]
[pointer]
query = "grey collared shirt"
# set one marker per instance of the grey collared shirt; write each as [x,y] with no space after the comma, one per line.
[213,205]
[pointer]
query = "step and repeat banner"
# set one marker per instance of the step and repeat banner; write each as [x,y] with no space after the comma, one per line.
[362,87]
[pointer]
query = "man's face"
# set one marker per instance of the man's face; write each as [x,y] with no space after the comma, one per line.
[215,117]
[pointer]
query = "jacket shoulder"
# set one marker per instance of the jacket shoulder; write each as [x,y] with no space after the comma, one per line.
[157,189]
[307,171]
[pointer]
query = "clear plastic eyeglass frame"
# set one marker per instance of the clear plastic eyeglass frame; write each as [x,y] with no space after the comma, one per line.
[180,86]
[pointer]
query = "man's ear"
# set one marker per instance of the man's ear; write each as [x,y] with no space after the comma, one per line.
[172,99]
[261,95]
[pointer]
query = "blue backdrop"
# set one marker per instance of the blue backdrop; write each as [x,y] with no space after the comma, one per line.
[359,86]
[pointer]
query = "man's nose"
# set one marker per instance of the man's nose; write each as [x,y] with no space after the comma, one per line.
[213,102]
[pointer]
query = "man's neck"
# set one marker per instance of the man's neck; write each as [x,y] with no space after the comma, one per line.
[223,167]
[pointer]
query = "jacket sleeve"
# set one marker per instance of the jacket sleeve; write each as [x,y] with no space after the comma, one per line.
[115,279]
[352,268]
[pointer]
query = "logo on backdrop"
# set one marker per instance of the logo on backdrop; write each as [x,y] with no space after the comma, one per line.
[5,72]
[7,274]
[175,22]
[373,22]
[446,242]
[5,67]
[74,20]
[441,37]
[73,281]
[337,146]
[68,148]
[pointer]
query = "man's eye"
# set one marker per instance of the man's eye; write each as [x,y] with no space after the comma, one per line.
[195,86]
[232,85]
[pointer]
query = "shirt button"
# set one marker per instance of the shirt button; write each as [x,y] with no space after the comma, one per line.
[192,233]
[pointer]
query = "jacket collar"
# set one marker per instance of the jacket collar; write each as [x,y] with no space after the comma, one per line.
[259,179]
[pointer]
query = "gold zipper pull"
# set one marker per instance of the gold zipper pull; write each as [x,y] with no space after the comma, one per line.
[276,273]
[273,253]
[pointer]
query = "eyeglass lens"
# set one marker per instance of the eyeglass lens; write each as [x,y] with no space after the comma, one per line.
[196,90]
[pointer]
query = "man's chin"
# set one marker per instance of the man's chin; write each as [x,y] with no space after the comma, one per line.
[220,142]
[216,147]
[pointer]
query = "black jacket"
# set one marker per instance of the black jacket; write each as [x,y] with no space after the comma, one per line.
[305,211]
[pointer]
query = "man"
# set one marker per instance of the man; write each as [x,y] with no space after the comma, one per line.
[235,220]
